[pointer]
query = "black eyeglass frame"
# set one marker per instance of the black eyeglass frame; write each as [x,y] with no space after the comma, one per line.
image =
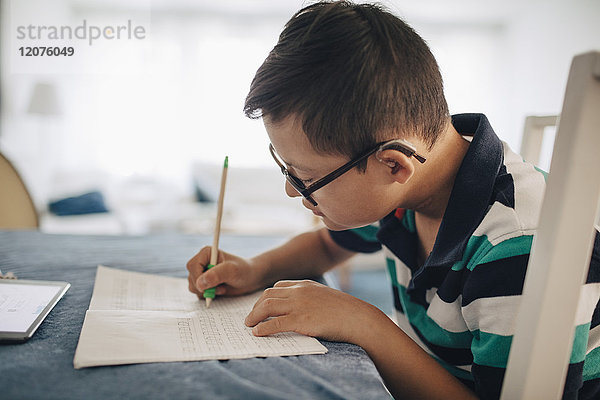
[306,191]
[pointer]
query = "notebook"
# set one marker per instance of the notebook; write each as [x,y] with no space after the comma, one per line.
[135,317]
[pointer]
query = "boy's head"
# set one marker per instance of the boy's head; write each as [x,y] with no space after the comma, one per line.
[354,75]
[343,79]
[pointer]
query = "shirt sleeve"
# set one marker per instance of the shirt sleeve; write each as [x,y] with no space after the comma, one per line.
[361,240]
[492,295]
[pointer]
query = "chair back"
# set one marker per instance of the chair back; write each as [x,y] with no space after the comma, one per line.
[562,247]
[17,210]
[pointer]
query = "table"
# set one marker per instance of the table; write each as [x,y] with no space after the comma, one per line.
[43,366]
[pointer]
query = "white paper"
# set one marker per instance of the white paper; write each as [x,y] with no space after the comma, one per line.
[135,318]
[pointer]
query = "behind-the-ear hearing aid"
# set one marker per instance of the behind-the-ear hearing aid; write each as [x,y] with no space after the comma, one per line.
[401,145]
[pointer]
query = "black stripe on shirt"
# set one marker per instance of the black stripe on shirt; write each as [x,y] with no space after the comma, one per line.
[504,189]
[433,277]
[590,390]
[594,271]
[397,302]
[454,356]
[574,381]
[488,382]
[503,277]
[595,317]
[452,286]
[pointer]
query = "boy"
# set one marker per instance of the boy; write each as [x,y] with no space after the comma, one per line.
[354,90]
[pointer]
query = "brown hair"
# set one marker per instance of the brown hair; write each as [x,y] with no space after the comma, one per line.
[355,74]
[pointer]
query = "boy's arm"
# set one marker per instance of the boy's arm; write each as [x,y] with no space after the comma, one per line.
[407,370]
[316,310]
[307,255]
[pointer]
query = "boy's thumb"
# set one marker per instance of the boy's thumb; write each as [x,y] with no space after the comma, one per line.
[208,279]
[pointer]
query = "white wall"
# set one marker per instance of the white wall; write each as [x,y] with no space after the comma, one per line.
[155,108]
[540,42]
[507,59]
[150,109]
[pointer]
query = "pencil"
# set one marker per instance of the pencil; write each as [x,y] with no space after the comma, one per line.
[209,294]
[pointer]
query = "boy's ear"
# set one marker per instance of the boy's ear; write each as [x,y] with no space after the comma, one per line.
[400,167]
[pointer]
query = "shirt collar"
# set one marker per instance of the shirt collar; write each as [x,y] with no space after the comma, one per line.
[469,199]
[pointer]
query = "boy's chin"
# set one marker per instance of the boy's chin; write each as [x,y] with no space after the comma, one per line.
[334,226]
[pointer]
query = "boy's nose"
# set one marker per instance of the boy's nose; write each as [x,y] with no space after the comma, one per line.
[290,191]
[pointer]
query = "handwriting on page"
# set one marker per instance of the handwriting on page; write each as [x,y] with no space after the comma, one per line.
[226,336]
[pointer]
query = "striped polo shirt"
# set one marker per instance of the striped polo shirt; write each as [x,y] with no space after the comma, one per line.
[461,305]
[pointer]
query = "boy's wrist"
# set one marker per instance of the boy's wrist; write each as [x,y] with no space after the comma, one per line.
[262,270]
[370,327]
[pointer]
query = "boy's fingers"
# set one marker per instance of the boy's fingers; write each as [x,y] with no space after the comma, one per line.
[286,283]
[202,282]
[279,292]
[272,326]
[271,307]
[200,259]
[191,285]
[220,290]
[220,273]
[196,266]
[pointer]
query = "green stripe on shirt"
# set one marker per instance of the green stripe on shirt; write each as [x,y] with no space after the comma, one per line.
[391,267]
[492,350]
[582,333]
[408,221]
[480,250]
[431,331]
[516,246]
[368,233]
[591,365]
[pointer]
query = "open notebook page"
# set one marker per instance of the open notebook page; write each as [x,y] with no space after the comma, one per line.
[136,317]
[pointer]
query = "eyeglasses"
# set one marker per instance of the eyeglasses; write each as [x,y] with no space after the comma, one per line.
[306,191]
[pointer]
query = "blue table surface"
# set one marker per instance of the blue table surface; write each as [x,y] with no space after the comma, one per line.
[42,368]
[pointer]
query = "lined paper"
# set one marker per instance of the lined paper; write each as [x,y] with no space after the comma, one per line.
[136,318]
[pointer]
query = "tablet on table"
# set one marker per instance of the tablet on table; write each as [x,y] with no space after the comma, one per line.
[24,304]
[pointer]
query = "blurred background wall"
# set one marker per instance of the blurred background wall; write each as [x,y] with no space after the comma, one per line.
[147,122]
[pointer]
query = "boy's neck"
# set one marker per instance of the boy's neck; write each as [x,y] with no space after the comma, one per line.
[437,177]
[436,181]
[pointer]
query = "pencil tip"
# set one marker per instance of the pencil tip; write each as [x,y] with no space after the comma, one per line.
[208,301]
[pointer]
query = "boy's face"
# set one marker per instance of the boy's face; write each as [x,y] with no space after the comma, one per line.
[352,200]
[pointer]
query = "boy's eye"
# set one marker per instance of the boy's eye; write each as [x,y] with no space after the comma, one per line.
[306,181]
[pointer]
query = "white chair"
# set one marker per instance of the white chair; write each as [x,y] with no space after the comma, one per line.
[562,247]
[533,136]
[17,210]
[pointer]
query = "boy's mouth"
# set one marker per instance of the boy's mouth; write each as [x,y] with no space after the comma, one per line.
[314,210]
[317,213]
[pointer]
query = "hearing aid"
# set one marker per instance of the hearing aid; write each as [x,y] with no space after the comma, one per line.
[401,145]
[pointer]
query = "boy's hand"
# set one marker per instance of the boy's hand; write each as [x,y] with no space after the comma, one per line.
[312,309]
[231,276]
